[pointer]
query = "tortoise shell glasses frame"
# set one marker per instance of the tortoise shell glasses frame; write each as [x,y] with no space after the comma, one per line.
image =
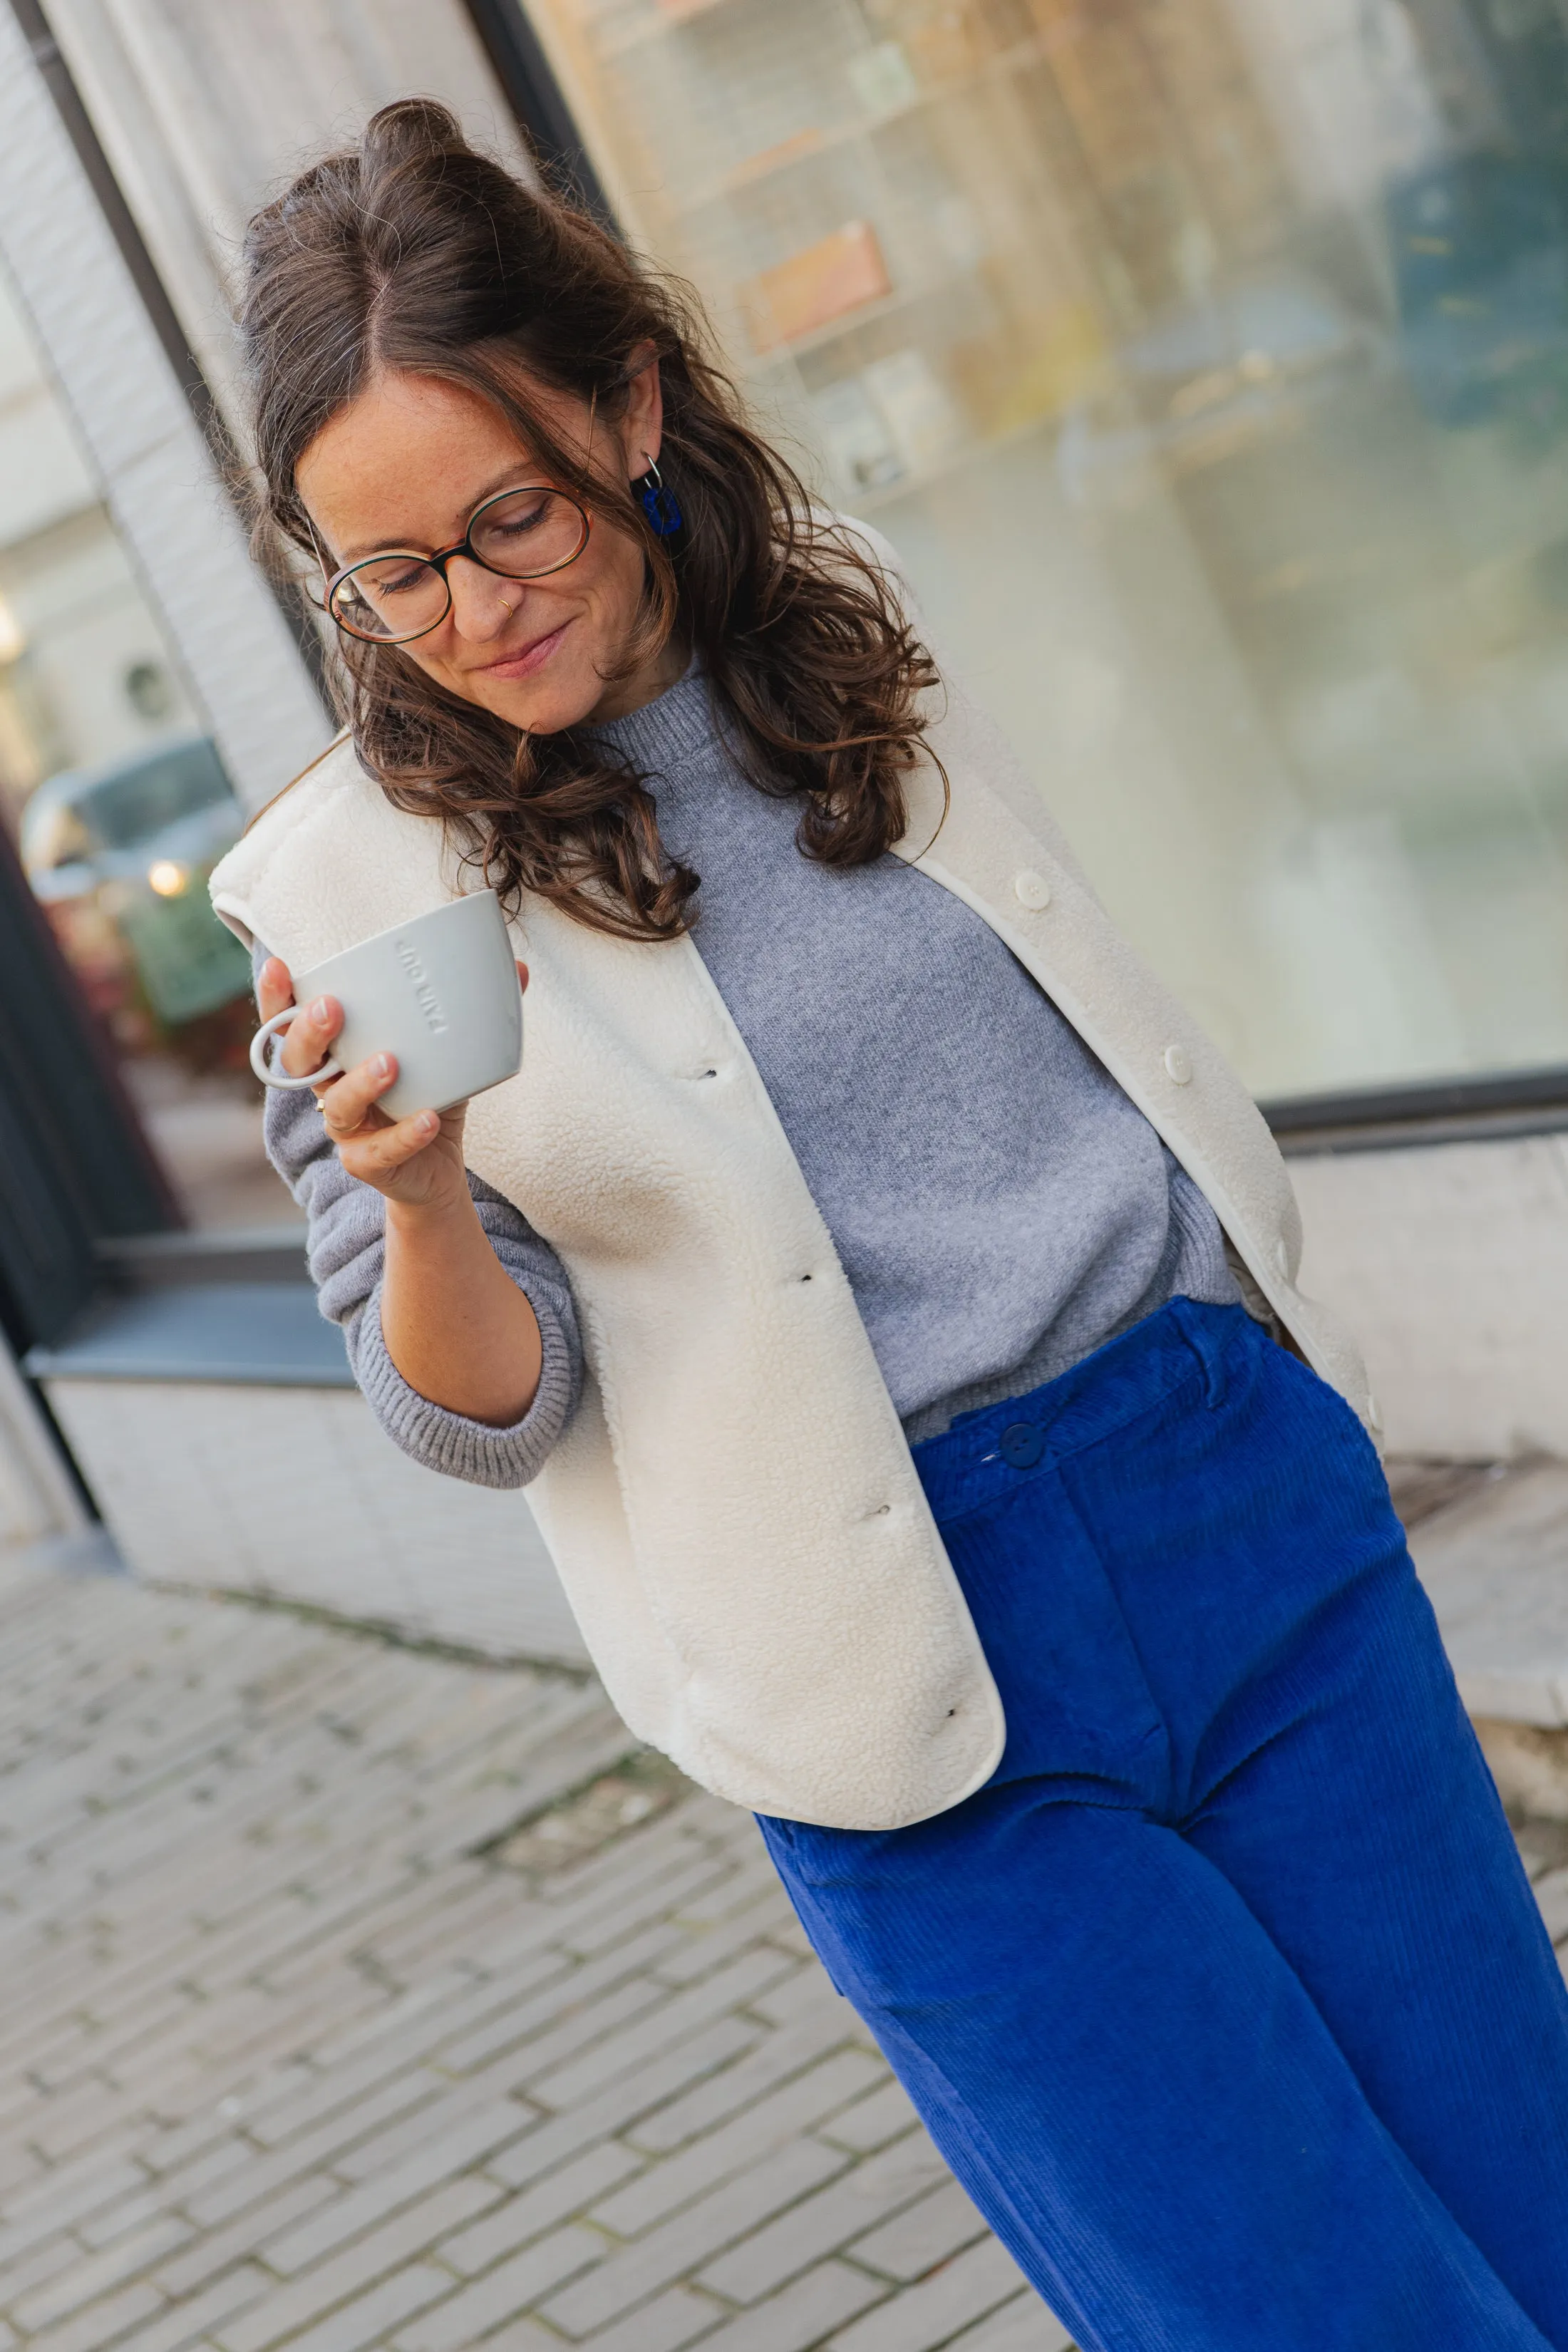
[400,593]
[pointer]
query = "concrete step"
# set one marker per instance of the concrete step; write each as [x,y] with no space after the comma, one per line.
[1495,1562]
[1491,1546]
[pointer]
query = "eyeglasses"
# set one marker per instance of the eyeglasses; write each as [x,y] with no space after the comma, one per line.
[394,597]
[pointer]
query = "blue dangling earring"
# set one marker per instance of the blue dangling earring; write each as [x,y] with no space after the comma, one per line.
[660,504]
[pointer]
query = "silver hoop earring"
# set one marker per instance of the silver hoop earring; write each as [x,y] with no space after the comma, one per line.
[659,503]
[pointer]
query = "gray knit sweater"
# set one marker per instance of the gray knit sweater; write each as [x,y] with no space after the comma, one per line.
[1000,1207]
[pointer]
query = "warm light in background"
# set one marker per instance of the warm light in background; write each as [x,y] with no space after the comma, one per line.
[12,639]
[168,877]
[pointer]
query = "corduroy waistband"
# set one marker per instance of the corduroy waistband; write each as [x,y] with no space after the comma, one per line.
[987,1453]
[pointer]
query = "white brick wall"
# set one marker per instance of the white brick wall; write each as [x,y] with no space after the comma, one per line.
[204,112]
[240,664]
[295,1494]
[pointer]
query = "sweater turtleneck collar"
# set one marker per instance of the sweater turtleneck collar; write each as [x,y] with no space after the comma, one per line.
[672,728]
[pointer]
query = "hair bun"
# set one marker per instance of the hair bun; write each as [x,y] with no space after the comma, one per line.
[411,129]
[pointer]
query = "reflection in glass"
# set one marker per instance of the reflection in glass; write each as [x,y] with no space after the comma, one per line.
[120,857]
[120,807]
[1207,361]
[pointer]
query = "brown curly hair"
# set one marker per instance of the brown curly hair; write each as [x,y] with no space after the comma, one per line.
[410,250]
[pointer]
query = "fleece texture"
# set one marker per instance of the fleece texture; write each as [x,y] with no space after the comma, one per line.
[999,1207]
[733,1508]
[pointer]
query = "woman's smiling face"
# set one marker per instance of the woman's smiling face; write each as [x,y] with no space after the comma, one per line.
[405,465]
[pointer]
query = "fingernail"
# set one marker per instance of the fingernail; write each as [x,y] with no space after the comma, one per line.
[319,1010]
[426,1122]
[382,1065]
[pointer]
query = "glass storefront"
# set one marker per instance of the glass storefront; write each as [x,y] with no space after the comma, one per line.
[116,804]
[1207,362]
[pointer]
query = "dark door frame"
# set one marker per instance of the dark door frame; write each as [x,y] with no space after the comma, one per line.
[520,65]
[78,124]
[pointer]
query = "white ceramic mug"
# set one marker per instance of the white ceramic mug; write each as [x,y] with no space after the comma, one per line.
[440,992]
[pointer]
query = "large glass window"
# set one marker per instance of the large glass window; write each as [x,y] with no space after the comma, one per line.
[117,806]
[1207,359]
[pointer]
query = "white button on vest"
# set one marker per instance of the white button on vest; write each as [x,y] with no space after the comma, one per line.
[1178,1064]
[1282,1259]
[1031,889]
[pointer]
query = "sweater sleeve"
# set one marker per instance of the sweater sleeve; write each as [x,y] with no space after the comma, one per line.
[345,1247]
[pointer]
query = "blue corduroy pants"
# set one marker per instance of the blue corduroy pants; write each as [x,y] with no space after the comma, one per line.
[1227,1999]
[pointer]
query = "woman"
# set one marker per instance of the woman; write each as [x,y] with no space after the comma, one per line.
[887,1294]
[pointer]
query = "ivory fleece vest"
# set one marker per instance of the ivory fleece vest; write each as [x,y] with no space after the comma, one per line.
[733,1511]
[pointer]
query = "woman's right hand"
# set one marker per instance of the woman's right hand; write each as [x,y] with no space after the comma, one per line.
[456,1326]
[416,1162]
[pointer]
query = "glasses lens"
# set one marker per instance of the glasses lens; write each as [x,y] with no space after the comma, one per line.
[390,597]
[527,534]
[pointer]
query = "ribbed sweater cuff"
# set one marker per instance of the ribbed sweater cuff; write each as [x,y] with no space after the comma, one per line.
[450,1441]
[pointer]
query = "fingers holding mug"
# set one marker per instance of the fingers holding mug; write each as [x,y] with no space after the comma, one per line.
[440,992]
[416,1160]
[307,1042]
[349,1105]
[274,988]
[306,1035]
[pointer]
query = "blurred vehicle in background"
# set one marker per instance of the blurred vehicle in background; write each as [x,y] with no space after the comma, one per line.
[1479,248]
[120,856]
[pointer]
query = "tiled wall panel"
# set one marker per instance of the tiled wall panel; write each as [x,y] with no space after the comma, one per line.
[294,1494]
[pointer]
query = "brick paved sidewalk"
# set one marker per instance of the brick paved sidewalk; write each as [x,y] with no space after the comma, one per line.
[305,2044]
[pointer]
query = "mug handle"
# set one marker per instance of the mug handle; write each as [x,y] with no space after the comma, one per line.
[267,1071]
